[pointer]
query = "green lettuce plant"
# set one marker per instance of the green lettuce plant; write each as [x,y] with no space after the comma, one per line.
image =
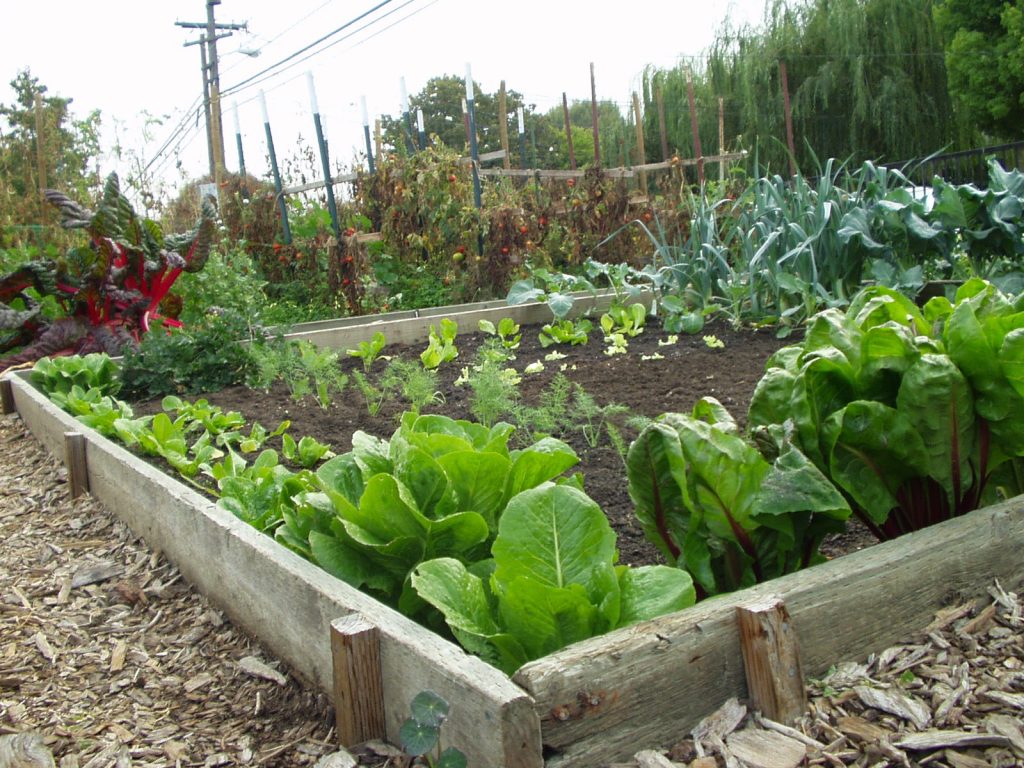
[573,332]
[440,345]
[93,371]
[915,415]
[553,581]
[368,351]
[437,488]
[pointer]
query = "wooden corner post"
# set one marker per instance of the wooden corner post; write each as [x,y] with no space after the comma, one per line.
[358,684]
[771,658]
[6,396]
[74,458]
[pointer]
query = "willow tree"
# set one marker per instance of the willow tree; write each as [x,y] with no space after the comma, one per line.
[866,80]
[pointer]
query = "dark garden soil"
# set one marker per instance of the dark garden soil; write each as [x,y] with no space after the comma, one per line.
[690,368]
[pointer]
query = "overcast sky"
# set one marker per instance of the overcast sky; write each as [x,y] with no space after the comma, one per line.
[126,57]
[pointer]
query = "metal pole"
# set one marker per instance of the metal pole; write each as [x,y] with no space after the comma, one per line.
[474,154]
[406,117]
[522,139]
[332,206]
[366,132]
[238,140]
[286,232]
[420,132]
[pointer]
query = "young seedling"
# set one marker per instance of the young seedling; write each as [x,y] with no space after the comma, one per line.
[368,351]
[565,332]
[507,331]
[440,346]
[420,734]
[627,321]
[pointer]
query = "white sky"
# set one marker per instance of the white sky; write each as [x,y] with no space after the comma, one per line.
[124,57]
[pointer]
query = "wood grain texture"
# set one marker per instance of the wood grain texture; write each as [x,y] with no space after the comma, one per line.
[74,460]
[654,681]
[6,396]
[416,329]
[771,660]
[358,686]
[289,603]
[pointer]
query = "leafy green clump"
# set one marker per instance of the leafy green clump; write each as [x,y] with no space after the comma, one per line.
[205,358]
[420,733]
[552,581]
[440,345]
[915,415]
[93,371]
[437,488]
[368,351]
[715,506]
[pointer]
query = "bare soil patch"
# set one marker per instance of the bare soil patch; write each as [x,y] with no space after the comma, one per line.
[688,369]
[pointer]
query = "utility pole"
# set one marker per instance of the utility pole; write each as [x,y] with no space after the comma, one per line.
[211,83]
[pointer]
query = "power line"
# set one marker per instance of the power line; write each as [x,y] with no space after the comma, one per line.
[286,59]
[343,39]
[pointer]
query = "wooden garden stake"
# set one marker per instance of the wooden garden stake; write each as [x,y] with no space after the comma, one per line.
[771,658]
[697,151]
[790,143]
[641,152]
[721,138]
[74,458]
[662,131]
[503,124]
[358,686]
[6,396]
[593,118]
[568,131]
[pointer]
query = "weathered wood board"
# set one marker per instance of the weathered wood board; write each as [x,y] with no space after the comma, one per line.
[414,330]
[590,704]
[651,683]
[289,603]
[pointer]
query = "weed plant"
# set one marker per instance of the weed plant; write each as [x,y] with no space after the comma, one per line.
[204,358]
[415,384]
[372,395]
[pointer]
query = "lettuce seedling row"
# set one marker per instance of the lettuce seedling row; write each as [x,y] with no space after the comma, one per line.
[595,702]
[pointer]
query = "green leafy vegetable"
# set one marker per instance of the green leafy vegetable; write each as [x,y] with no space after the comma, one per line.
[440,346]
[716,507]
[553,582]
[916,415]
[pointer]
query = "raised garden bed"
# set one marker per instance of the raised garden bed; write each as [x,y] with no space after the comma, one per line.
[592,703]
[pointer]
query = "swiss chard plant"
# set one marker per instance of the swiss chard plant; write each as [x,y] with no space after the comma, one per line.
[553,580]
[715,506]
[915,415]
[111,290]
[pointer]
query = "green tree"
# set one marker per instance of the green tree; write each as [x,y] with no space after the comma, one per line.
[985,60]
[867,80]
[441,102]
[66,147]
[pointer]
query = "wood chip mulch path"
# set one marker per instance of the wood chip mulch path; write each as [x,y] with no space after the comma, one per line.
[108,654]
[115,661]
